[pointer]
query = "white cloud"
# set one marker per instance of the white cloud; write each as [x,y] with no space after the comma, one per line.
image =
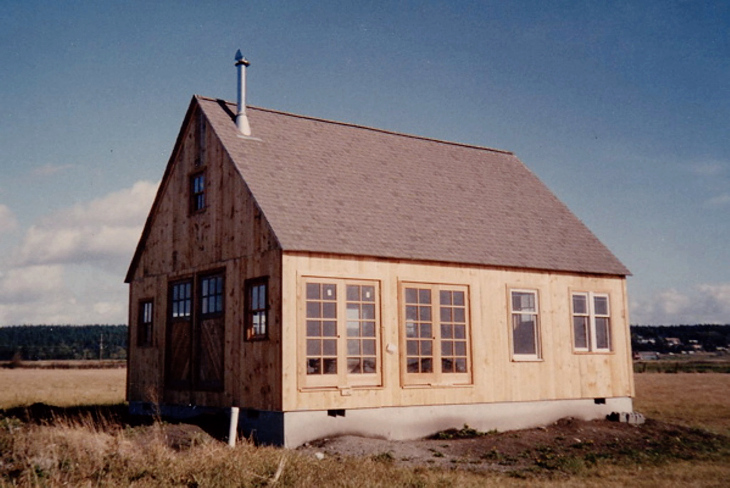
[711,168]
[104,230]
[51,169]
[69,267]
[719,200]
[29,284]
[703,304]
[8,222]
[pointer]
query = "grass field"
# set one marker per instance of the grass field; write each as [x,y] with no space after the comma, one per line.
[82,452]
[61,387]
[692,399]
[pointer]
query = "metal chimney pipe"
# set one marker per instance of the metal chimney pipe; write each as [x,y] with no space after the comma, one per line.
[241,119]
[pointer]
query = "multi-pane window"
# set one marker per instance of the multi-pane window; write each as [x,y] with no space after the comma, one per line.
[321,328]
[341,333]
[256,309]
[591,322]
[360,304]
[454,356]
[525,324]
[181,300]
[144,325]
[211,295]
[419,331]
[197,192]
[436,334]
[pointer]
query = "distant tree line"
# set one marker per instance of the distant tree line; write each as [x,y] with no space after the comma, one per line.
[34,342]
[660,338]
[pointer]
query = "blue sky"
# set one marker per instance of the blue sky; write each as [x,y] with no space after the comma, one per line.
[621,108]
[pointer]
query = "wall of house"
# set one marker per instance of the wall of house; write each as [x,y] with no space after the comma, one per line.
[495,376]
[230,234]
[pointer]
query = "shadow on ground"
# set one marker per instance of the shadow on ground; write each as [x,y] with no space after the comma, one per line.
[111,415]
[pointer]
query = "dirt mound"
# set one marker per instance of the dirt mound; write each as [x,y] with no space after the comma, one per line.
[567,445]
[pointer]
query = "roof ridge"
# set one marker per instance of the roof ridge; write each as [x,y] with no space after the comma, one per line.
[364,127]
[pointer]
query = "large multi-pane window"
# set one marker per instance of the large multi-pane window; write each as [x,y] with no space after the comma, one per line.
[525,325]
[256,327]
[435,333]
[591,322]
[341,333]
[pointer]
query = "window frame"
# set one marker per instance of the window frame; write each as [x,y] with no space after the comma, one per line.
[592,323]
[342,379]
[437,376]
[537,334]
[146,323]
[211,303]
[250,311]
[198,196]
[187,313]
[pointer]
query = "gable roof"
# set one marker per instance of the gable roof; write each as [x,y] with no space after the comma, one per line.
[339,188]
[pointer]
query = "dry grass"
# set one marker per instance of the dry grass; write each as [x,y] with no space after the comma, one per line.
[692,399]
[61,387]
[86,452]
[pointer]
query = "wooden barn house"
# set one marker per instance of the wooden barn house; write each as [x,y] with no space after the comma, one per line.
[328,278]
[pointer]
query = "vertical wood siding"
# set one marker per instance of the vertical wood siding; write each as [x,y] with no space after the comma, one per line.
[229,235]
[561,373]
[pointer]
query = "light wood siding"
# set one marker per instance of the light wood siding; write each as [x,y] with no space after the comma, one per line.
[232,235]
[559,374]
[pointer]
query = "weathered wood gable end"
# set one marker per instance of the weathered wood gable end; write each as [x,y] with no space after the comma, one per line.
[228,236]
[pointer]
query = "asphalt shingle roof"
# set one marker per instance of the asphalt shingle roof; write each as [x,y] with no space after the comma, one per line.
[339,188]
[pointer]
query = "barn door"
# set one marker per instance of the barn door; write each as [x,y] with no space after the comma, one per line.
[178,345]
[209,333]
[195,334]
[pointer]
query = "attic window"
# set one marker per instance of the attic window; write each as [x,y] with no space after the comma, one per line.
[197,192]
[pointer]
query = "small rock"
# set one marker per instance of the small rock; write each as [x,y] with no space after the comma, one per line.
[319,455]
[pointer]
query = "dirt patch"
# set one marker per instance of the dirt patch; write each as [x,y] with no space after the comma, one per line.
[569,445]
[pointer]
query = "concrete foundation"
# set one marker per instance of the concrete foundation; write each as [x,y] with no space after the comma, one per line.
[292,429]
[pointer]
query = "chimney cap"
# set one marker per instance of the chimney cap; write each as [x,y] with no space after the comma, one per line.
[241,60]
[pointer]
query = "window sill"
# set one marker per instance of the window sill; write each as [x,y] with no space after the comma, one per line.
[527,359]
[342,389]
[437,385]
[257,339]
